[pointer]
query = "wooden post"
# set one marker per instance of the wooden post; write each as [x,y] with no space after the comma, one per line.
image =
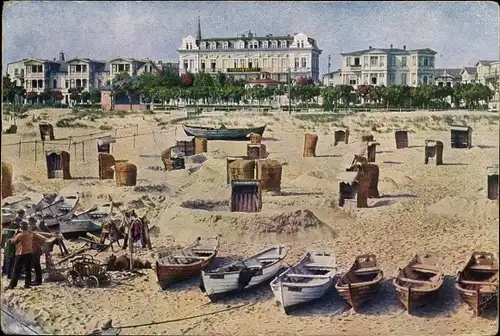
[476,304]
[137,129]
[131,246]
[19,148]
[351,297]
[83,150]
[408,300]
[134,140]
[153,133]
[35,150]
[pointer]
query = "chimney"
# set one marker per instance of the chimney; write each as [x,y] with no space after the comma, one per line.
[370,47]
[54,59]
[61,56]
[391,46]
[404,47]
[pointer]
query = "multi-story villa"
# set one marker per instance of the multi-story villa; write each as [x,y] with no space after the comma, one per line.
[393,66]
[85,73]
[247,55]
[468,75]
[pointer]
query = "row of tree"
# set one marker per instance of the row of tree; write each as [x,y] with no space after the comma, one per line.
[170,88]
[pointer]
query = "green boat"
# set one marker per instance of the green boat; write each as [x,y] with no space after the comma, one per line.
[222,133]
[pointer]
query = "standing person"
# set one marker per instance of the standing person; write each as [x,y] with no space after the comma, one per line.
[38,249]
[24,250]
[10,248]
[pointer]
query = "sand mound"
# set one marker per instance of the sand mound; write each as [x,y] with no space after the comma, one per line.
[206,205]
[20,188]
[317,174]
[465,206]
[387,183]
[152,188]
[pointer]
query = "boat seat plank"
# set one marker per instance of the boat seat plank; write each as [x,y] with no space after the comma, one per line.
[416,281]
[190,257]
[424,267]
[367,270]
[469,282]
[484,268]
[313,265]
[268,258]
[309,276]
[202,250]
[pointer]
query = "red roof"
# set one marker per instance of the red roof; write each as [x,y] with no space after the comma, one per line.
[264,81]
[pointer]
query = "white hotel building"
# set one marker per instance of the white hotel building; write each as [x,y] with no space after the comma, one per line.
[247,55]
[392,66]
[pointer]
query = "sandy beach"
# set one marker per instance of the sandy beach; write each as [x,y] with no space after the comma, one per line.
[442,210]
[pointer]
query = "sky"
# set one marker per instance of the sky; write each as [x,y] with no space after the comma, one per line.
[460,32]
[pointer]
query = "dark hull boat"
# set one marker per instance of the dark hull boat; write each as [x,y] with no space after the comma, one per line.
[477,283]
[222,133]
[418,283]
[361,281]
[187,262]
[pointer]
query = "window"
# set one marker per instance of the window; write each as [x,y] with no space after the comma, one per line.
[78,83]
[365,61]
[99,83]
[54,83]
[425,80]
[185,64]
[256,63]
[191,64]
[202,64]
[426,61]
[250,63]
[224,64]
[127,67]
[274,64]
[296,63]
[283,44]
[16,72]
[431,61]
[84,68]
[382,61]
[213,45]
[373,60]
[374,80]
[352,82]
[264,63]
[347,61]
[66,84]
[414,60]
[34,84]
[225,45]
[242,63]
[303,62]
[283,64]
[274,44]
[213,64]
[265,44]
[392,61]
[235,63]
[403,61]
[403,79]
[22,72]
[84,83]
[392,78]
[203,45]
[356,61]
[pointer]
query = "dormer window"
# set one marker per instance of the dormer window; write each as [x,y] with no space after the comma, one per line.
[254,45]
[300,44]
[274,44]
[283,44]
[203,45]
[213,45]
[225,45]
[265,44]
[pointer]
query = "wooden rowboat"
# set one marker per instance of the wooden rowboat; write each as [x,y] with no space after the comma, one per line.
[222,133]
[243,274]
[419,282]
[477,283]
[361,281]
[308,280]
[186,263]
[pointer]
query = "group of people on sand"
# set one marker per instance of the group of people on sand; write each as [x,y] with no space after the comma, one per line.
[23,250]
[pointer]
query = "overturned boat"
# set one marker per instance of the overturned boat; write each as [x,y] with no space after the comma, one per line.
[222,133]
[243,274]
[89,220]
[186,263]
[307,280]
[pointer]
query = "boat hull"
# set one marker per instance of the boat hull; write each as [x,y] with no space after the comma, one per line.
[218,285]
[292,296]
[415,298]
[222,134]
[358,294]
[478,301]
[75,226]
[168,275]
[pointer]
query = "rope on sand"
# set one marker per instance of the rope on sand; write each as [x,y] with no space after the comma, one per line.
[184,318]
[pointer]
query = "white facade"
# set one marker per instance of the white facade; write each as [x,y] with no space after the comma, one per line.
[393,66]
[332,78]
[245,56]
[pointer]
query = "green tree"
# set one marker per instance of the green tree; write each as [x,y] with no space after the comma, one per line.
[121,76]
[45,96]
[95,96]
[7,89]
[331,96]
[85,96]
[75,94]
[345,93]
[131,88]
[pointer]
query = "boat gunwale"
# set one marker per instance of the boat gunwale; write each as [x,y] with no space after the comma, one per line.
[212,255]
